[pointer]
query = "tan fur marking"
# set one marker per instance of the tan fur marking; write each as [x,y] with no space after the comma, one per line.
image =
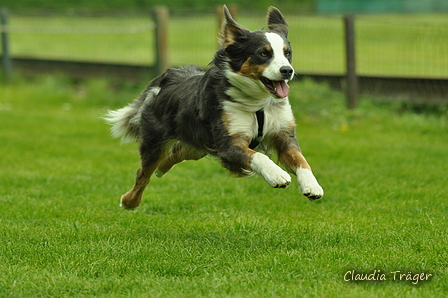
[242,141]
[133,198]
[229,35]
[289,152]
[293,159]
[226,120]
[285,49]
[179,153]
[253,71]
[228,41]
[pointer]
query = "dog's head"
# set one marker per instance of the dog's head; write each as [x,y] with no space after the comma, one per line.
[262,56]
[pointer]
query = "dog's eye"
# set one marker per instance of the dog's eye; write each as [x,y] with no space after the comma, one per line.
[264,54]
[287,53]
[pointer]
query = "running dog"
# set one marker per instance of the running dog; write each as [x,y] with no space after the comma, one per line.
[239,104]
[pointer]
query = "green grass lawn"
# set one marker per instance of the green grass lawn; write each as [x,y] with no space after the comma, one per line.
[202,233]
[405,45]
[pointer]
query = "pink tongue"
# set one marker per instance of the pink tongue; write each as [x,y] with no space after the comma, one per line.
[282,88]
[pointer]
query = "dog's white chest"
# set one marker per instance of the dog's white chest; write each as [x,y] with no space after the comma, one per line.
[239,121]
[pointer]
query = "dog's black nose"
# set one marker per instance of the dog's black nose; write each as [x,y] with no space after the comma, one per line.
[286,72]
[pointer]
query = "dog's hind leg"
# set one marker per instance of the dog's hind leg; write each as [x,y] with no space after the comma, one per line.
[179,153]
[150,159]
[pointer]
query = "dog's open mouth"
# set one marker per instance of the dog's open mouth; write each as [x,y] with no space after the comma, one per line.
[277,88]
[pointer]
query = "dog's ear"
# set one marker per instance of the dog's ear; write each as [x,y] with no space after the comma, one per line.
[231,30]
[276,21]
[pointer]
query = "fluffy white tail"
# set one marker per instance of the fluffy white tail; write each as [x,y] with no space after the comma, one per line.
[126,121]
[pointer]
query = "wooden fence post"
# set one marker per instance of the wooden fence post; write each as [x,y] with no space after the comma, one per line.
[6,57]
[161,19]
[352,78]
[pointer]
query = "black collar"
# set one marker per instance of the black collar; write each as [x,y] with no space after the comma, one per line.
[260,120]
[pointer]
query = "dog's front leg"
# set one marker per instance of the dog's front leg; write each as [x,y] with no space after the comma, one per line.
[290,155]
[239,158]
[308,183]
[272,173]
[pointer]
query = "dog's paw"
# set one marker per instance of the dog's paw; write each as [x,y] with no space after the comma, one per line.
[277,178]
[272,173]
[309,185]
[313,193]
[126,208]
[130,200]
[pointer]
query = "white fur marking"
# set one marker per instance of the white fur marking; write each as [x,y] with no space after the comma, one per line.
[272,72]
[252,93]
[240,121]
[130,115]
[308,184]
[152,93]
[272,173]
[277,117]
[118,120]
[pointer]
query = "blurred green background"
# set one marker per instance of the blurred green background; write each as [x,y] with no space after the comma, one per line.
[296,6]
[142,5]
[199,232]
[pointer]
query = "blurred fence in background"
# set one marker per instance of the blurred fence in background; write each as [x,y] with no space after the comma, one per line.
[405,56]
[81,46]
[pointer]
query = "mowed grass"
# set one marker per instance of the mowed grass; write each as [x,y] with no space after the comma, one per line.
[400,45]
[202,233]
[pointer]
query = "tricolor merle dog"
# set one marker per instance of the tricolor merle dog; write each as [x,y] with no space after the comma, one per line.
[237,105]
